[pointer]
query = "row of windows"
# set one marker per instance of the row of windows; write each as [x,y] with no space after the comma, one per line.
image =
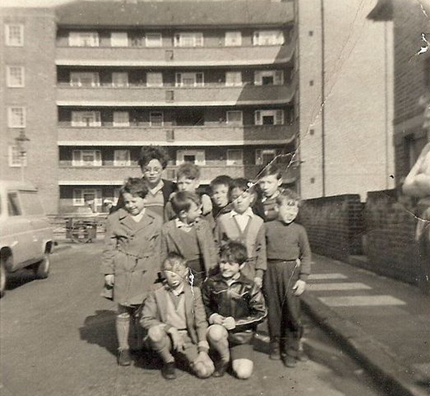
[196,79]
[17,119]
[183,39]
[122,157]
[14,34]
[156,118]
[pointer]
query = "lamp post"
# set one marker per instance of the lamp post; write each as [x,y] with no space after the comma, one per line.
[22,145]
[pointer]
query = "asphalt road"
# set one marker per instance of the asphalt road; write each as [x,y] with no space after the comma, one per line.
[57,337]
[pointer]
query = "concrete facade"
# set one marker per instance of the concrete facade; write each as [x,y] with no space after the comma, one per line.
[346,99]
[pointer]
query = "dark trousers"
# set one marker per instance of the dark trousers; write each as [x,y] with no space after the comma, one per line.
[283,307]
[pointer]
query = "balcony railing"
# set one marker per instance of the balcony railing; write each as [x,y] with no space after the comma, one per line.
[175,56]
[221,135]
[117,174]
[193,96]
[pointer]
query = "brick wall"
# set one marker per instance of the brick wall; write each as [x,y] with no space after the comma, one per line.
[334,225]
[390,229]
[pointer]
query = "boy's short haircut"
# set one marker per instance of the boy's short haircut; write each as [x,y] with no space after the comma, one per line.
[233,252]
[174,261]
[182,201]
[271,170]
[222,180]
[189,171]
[149,153]
[135,186]
[287,195]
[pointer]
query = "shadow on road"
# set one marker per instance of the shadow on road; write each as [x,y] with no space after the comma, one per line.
[99,329]
[19,278]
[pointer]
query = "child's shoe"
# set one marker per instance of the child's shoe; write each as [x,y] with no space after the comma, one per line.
[289,361]
[124,358]
[221,367]
[302,357]
[168,371]
[275,352]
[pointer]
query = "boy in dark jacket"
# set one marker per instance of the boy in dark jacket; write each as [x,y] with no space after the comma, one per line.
[234,306]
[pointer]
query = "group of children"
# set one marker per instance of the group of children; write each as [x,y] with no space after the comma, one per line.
[195,274]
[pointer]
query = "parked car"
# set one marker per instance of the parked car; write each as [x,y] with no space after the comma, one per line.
[26,236]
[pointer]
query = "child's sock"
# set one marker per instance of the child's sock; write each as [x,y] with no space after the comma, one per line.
[123,330]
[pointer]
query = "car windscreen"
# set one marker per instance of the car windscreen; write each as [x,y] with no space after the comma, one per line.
[13,204]
[30,203]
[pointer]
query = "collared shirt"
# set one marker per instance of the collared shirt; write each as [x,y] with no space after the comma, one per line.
[232,280]
[154,200]
[184,226]
[272,197]
[242,219]
[176,295]
[157,188]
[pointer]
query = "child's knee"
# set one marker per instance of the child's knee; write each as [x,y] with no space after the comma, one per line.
[217,333]
[202,370]
[156,334]
[243,368]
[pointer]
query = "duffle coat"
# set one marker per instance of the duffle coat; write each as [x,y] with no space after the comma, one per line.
[132,254]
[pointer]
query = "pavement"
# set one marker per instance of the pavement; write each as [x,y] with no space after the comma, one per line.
[383,323]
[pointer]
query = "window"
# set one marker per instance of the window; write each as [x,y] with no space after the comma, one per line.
[233,79]
[83,39]
[154,39]
[14,35]
[156,118]
[268,37]
[188,40]
[195,156]
[86,119]
[87,158]
[15,157]
[121,158]
[120,79]
[15,76]
[119,39]
[87,196]
[30,203]
[233,39]
[16,117]
[189,79]
[234,117]
[234,157]
[121,119]
[79,79]
[269,77]
[269,117]
[13,204]
[263,157]
[154,79]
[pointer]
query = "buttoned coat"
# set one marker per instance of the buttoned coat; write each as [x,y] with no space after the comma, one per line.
[154,312]
[131,253]
[171,242]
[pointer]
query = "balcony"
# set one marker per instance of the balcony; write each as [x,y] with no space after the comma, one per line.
[213,95]
[220,135]
[115,175]
[174,56]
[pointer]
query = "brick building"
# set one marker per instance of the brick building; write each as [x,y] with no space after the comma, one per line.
[411,77]
[227,87]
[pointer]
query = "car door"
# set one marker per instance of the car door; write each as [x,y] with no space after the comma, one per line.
[19,233]
[39,223]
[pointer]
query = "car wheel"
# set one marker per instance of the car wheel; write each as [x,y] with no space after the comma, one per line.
[43,266]
[3,279]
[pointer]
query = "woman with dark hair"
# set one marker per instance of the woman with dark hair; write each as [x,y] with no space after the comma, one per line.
[152,162]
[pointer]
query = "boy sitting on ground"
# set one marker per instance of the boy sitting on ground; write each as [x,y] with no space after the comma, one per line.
[175,319]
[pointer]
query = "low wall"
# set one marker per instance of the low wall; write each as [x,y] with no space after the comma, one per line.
[334,225]
[390,245]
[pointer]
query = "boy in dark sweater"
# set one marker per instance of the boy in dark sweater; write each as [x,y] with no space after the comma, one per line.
[288,267]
